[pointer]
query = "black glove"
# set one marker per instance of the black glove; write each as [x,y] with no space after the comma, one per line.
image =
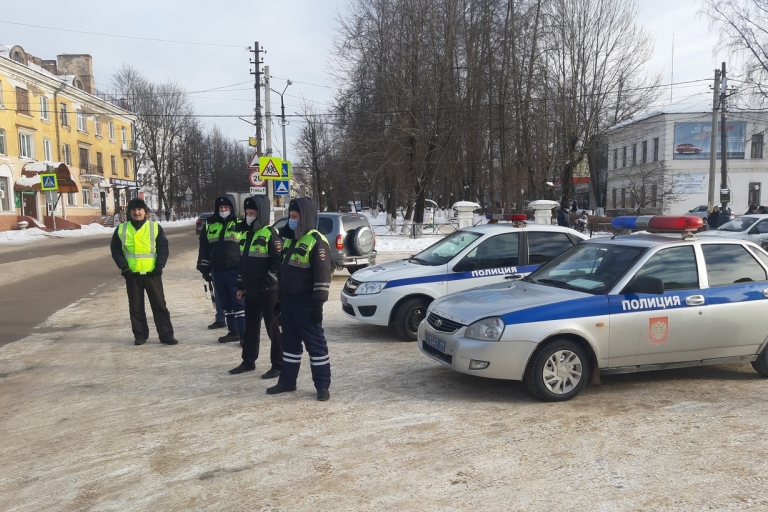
[207,276]
[317,314]
[270,280]
[277,308]
[126,272]
[157,271]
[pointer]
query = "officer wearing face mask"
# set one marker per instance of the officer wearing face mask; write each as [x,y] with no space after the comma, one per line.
[305,278]
[219,258]
[257,284]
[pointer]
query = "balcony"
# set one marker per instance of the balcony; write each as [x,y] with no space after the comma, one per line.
[129,146]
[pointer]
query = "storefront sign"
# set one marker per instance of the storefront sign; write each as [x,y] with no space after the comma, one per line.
[123,183]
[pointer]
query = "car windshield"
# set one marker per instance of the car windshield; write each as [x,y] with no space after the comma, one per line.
[589,268]
[446,249]
[738,224]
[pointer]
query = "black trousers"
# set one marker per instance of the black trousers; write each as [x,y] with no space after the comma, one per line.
[260,306]
[298,328]
[137,284]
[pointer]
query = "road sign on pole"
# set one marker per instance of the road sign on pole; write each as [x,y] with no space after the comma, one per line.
[282,188]
[259,191]
[286,168]
[270,168]
[49,182]
[253,164]
[254,180]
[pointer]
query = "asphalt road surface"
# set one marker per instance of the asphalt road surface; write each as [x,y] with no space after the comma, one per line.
[39,278]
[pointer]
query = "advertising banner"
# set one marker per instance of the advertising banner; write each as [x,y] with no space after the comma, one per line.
[692,140]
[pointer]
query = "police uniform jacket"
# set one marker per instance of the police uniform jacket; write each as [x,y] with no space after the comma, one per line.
[261,249]
[161,246]
[220,240]
[306,266]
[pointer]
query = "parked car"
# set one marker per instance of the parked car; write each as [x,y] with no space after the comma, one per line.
[353,244]
[398,293]
[702,212]
[687,148]
[611,305]
[201,220]
[747,227]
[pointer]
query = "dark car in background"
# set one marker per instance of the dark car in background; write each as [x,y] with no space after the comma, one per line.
[201,220]
[350,236]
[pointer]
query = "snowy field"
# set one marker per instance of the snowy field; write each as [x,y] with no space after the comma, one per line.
[34,234]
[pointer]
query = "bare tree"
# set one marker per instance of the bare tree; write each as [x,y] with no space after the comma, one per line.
[652,187]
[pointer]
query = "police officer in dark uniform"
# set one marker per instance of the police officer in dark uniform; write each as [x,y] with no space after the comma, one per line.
[219,258]
[259,266]
[305,278]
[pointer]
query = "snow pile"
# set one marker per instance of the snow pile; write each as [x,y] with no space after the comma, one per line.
[405,244]
[32,234]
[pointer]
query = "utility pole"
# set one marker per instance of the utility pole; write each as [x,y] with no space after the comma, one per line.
[257,60]
[723,140]
[268,129]
[713,142]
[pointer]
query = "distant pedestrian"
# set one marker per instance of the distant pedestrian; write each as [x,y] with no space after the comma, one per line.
[167,215]
[140,250]
[574,206]
[305,278]
[582,222]
[752,209]
[585,205]
[260,264]
[762,210]
[713,217]
[563,216]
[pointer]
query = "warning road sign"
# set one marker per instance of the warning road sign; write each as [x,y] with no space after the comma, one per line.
[49,182]
[282,188]
[270,168]
[253,163]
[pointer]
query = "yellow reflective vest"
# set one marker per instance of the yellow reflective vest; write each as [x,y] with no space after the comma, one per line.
[140,247]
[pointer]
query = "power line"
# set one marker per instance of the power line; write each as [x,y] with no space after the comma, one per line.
[121,36]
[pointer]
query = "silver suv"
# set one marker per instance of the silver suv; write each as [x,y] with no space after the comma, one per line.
[350,236]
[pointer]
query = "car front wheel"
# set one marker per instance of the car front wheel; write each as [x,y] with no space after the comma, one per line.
[761,363]
[558,371]
[408,317]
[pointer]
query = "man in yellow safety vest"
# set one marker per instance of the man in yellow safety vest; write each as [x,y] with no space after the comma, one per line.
[140,250]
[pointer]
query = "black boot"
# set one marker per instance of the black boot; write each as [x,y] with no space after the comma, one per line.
[323,394]
[138,340]
[230,336]
[242,368]
[172,341]
[217,325]
[280,388]
[272,373]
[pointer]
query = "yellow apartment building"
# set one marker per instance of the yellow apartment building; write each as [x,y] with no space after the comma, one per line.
[51,114]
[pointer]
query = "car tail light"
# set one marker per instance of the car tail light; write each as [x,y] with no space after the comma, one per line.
[339,242]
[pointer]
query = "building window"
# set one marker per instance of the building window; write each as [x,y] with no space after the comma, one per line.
[5,194]
[80,120]
[44,108]
[64,116]
[656,150]
[71,198]
[86,196]
[654,194]
[613,193]
[753,197]
[645,152]
[3,149]
[97,125]
[84,160]
[623,198]
[47,151]
[1,93]
[757,147]
[113,161]
[25,146]
[634,154]
[615,158]
[99,163]
[126,167]
[22,101]
[624,157]
[111,130]
[67,155]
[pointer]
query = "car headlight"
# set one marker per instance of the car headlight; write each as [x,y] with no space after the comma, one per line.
[487,329]
[369,288]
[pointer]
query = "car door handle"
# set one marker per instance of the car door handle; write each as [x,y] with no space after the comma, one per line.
[765,292]
[695,300]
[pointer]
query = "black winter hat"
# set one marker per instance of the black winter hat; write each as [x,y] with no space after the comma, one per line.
[294,206]
[250,204]
[137,203]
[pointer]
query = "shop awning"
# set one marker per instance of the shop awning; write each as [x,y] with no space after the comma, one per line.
[30,177]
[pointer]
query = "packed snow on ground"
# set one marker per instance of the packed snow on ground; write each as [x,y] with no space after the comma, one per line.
[32,234]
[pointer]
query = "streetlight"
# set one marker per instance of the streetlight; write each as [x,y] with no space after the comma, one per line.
[282,113]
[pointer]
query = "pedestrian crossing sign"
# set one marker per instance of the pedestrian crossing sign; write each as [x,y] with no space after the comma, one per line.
[49,182]
[286,170]
[270,168]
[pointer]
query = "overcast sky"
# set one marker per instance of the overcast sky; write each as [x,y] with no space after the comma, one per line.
[297,35]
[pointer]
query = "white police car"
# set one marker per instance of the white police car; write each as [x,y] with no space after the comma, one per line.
[399,292]
[614,305]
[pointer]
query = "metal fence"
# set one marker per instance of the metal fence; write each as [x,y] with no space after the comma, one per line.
[414,230]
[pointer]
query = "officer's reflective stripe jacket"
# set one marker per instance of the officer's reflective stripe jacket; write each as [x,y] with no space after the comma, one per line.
[306,266]
[261,255]
[220,244]
[139,246]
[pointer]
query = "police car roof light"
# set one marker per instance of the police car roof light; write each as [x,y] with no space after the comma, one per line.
[659,222]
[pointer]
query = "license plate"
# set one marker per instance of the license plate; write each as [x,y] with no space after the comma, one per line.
[436,343]
[363,261]
[343,300]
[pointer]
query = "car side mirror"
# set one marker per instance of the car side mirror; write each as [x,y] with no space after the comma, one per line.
[645,284]
[465,265]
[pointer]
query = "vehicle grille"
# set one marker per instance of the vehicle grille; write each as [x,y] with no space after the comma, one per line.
[445,325]
[432,351]
[350,287]
[348,309]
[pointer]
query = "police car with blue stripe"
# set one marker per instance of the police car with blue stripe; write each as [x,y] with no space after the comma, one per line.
[398,293]
[611,305]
